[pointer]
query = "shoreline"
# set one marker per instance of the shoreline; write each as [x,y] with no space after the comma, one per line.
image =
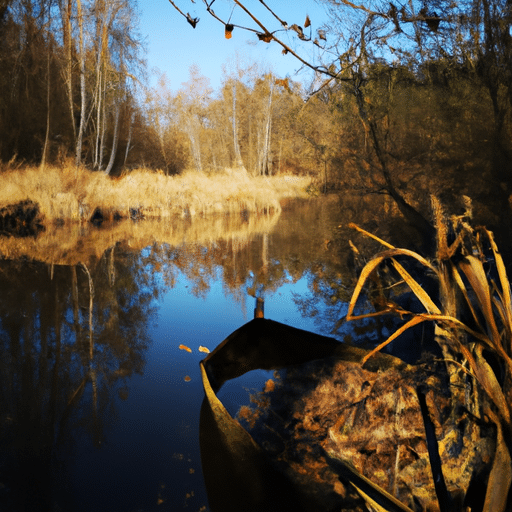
[56,196]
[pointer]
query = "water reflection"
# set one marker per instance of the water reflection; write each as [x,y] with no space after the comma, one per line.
[70,339]
[99,406]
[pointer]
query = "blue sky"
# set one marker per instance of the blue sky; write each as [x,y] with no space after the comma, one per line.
[173,45]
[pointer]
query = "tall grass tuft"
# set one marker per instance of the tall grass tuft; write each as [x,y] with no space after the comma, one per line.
[473,325]
[74,194]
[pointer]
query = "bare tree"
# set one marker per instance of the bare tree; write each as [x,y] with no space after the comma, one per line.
[83,92]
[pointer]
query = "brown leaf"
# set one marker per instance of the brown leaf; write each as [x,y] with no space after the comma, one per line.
[192,21]
[500,478]
[475,273]
[307,23]
[487,379]
[228,30]
[266,37]
[299,31]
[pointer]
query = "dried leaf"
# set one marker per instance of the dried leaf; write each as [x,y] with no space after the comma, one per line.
[370,235]
[371,266]
[505,284]
[462,287]
[203,349]
[487,379]
[228,30]
[266,37]
[417,289]
[474,271]
[307,23]
[298,30]
[377,498]
[192,21]
[411,323]
[500,477]
[184,347]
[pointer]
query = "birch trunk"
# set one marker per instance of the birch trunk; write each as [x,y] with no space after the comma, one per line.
[129,141]
[66,8]
[113,151]
[47,135]
[81,56]
[238,155]
[264,158]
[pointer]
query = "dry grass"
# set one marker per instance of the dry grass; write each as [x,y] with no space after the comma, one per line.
[473,326]
[74,194]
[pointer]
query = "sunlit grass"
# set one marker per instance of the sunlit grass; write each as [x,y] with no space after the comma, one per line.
[74,194]
[473,326]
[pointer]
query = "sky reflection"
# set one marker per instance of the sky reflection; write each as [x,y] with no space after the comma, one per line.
[150,458]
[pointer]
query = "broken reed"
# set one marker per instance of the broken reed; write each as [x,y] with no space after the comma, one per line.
[70,194]
[472,282]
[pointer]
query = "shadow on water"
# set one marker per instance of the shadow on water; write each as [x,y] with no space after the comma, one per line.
[99,405]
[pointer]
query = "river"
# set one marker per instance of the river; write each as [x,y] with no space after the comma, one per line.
[101,334]
[102,330]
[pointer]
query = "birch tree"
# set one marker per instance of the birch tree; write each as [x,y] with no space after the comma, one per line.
[194,97]
[83,99]
[65,8]
[265,134]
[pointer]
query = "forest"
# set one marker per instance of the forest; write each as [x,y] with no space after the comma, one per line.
[403,99]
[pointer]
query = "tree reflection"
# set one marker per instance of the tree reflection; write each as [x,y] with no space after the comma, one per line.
[64,354]
[72,334]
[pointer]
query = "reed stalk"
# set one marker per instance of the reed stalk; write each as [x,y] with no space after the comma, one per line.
[473,325]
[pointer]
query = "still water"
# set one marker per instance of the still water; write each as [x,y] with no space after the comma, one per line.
[100,330]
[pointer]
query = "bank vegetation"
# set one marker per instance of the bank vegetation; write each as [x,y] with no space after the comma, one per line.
[69,194]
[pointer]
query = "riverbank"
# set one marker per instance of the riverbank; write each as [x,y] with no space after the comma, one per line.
[70,194]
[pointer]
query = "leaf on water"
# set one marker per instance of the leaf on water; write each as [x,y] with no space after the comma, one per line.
[204,349]
[270,386]
[187,378]
[184,347]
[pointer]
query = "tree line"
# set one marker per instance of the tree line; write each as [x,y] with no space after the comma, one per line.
[398,95]
[414,98]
